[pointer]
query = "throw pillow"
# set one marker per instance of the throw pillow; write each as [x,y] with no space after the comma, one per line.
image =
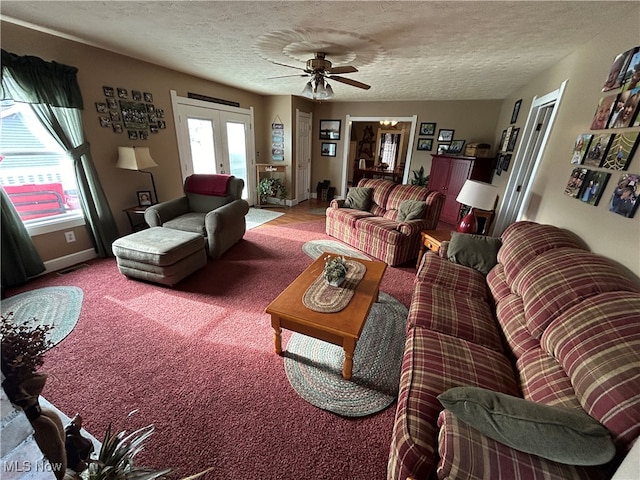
[359,198]
[475,251]
[411,210]
[559,434]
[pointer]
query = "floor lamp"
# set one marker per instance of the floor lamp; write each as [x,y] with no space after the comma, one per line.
[137,158]
[478,195]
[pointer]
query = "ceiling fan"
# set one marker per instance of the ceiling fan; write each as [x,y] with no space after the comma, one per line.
[320,69]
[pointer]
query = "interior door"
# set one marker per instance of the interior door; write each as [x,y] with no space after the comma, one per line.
[215,139]
[303,155]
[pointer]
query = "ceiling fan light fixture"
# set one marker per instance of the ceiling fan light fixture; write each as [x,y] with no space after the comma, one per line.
[329,90]
[308,90]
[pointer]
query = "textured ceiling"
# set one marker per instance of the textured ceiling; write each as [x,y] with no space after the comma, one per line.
[411,50]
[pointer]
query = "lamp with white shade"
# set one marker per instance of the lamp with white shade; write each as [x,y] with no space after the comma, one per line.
[318,88]
[478,195]
[137,158]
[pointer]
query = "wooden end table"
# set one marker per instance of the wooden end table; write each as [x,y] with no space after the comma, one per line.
[342,328]
[432,239]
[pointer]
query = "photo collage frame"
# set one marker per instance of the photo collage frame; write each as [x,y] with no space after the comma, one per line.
[132,111]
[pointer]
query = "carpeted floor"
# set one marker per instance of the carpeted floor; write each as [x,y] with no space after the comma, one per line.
[197,361]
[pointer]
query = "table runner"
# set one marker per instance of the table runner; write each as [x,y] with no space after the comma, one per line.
[322,297]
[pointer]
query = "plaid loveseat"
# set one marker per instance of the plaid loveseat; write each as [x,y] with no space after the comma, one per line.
[551,322]
[377,231]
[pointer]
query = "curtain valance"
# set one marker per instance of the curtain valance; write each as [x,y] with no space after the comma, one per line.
[30,79]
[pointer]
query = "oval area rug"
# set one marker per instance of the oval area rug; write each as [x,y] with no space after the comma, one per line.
[315,248]
[314,367]
[57,306]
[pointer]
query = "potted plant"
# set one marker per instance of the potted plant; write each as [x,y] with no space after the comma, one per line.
[335,270]
[419,178]
[23,346]
[271,187]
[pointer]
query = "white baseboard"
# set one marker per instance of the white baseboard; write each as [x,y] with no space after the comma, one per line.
[69,260]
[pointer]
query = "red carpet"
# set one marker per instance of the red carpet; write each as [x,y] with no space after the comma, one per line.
[197,361]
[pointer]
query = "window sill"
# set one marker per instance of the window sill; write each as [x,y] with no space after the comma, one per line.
[62,222]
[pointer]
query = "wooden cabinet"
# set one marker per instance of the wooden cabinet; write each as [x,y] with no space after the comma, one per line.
[448,174]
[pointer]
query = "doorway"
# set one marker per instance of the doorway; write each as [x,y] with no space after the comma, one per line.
[215,138]
[536,134]
[303,155]
[365,145]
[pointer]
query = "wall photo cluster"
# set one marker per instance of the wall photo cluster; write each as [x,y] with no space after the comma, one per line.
[132,111]
[606,148]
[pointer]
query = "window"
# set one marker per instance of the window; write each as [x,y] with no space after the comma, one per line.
[36,172]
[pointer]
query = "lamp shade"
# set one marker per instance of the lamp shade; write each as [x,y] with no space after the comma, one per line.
[135,158]
[478,195]
[308,90]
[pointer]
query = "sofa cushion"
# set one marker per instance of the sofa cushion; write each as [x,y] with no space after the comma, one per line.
[440,272]
[381,191]
[448,312]
[597,342]
[359,198]
[543,380]
[510,315]
[559,434]
[189,222]
[411,210]
[524,241]
[379,229]
[467,453]
[433,363]
[497,283]
[560,278]
[475,251]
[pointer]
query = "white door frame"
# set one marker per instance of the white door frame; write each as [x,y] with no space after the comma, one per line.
[303,155]
[183,143]
[345,160]
[517,194]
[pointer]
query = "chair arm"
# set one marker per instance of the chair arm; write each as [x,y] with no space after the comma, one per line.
[412,227]
[229,213]
[337,203]
[160,213]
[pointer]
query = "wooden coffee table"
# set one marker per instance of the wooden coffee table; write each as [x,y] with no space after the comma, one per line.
[342,328]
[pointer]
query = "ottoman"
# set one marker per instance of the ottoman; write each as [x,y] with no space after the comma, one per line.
[160,255]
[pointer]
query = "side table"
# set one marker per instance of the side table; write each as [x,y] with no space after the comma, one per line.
[133,213]
[432,239]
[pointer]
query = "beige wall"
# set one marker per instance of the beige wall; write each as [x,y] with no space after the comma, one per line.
[605,232]
[473,121]
[97,68]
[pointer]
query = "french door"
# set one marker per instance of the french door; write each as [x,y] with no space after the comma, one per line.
[215,138]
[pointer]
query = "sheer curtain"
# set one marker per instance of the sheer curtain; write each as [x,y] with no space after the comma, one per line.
[53,92]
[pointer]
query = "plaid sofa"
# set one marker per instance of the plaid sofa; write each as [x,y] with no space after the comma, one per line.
[377,231]
[551,322]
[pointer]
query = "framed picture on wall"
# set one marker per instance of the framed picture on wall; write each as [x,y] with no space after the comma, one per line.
[621,151]
[328,149]
[516,110]
[592,187]
[330,129]
[624,200]
[425,144]
[456,146]
[428,128]
[598,148]
[445,135]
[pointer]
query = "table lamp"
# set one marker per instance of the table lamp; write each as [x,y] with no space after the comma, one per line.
[478,195]
[137,158]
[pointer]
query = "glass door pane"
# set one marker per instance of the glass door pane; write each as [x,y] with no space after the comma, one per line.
[236,141]
[201,141]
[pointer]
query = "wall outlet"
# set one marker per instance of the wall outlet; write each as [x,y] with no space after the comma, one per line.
[70,237]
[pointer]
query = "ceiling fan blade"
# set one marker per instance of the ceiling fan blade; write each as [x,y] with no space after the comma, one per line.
[288,76]
[346,69]
[353,83]
[289,66]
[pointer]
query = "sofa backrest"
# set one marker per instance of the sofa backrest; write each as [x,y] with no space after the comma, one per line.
[388,195]
[201,201]
[581,311]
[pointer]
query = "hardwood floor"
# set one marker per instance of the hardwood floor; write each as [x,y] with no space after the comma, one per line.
[302,212]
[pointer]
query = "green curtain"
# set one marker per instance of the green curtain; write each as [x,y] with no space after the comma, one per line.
[65,125]
[54,94]
[20,259]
